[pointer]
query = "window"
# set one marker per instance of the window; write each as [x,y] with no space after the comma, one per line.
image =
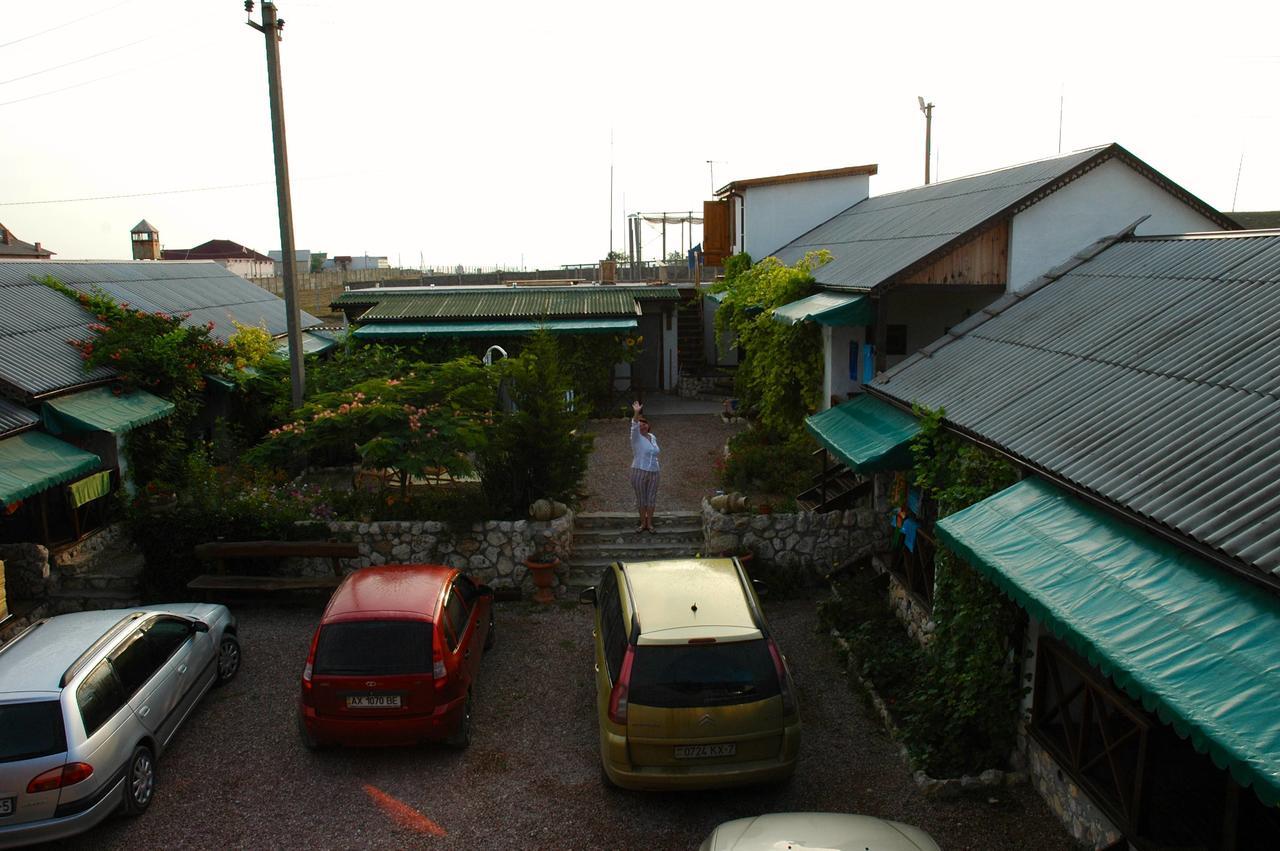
[99,697]
[613,632]
[895,339]
[687,675]
[464,586]
[166,635]
[29,730]
[374,648]
[456,612]
[135,662]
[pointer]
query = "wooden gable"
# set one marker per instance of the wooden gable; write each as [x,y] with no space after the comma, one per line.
[982,260]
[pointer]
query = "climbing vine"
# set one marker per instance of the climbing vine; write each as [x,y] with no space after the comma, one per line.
[779,379]
[964,709]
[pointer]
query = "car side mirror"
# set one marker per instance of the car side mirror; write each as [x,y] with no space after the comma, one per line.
[200,626]
[761,589]
[587,595]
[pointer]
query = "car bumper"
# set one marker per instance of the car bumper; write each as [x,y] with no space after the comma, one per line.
[29,833]
[716,776]
[384,731]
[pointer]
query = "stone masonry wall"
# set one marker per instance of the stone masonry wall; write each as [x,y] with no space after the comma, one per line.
[26,570]
[492,552]
[1068,801]
[803,539]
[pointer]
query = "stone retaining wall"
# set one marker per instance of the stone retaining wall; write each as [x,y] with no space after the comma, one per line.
[804,539]
[1068,801]
[492,552]
[26,570]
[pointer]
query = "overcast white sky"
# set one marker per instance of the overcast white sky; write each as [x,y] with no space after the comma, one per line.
[479,132]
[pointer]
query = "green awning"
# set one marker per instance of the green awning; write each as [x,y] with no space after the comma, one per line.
[219,381]
[828,308]
[718,297]
[100,409]
[313,343]
[866,434]
[492,328]
[33,461]
[1195,644]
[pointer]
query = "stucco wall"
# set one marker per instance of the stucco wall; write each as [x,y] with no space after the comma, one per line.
[777,214]
[1100,203]
[928,313]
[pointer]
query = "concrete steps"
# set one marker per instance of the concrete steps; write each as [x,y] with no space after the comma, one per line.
[601,538]
[116,567]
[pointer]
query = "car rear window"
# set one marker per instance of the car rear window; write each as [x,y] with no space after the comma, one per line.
[367,648]
[29,730]
[687,675]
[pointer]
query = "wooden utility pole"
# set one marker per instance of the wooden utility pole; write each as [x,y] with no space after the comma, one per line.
[271,28]
[927,109]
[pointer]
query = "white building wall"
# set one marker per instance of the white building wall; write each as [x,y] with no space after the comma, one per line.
[777,214]
[715,354]
[837,382]
[1100,203]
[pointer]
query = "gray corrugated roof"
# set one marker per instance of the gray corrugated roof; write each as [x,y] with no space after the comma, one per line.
[15,418]
[1148,376]
[426,303]
[36,322]
[883,236]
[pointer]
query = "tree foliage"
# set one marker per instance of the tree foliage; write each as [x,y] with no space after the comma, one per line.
[779,379]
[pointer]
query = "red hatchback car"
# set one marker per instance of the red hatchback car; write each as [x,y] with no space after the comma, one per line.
[394,658]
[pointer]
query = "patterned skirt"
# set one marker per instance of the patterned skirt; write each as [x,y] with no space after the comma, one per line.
[645,484]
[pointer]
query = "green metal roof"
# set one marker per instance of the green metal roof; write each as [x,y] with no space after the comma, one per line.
[313,343]
[33,461]
[1195,644]
[828,308]
[100,409]
[493,302]
[517,328]
[866,434]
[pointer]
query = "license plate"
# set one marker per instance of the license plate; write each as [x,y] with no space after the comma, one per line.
[6,806]
[705,751]
[373,701]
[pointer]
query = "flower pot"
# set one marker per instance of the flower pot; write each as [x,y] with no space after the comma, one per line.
[543,574]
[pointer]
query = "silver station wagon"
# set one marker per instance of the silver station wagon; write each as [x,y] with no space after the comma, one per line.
[88,701]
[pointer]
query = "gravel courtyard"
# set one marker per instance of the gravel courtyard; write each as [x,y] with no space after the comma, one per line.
[237,777]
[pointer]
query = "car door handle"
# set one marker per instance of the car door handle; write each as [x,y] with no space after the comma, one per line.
[144,711]
[182,669]
[597,667]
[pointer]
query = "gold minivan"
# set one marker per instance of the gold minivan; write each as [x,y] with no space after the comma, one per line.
[691,690]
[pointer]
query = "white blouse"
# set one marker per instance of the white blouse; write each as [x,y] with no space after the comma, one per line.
[644,449]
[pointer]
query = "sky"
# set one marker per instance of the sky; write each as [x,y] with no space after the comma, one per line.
[483,133]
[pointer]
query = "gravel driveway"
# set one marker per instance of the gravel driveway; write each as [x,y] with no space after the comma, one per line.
[237,777]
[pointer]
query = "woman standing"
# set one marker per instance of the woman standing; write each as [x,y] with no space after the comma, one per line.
[644,467]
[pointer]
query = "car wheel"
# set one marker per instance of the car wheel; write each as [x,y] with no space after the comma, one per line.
[308,741]
[462,736]
[228,659]
[491,638]
[140,781]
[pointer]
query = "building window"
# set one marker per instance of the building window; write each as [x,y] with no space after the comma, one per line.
[895,340]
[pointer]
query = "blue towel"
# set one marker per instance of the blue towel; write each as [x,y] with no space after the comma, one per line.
[909,528]
[868,363]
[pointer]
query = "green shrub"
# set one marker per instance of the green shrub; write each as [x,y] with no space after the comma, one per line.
[763,462]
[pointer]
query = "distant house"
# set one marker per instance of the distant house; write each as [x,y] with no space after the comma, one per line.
[909,265]
[1136,387]
[235,257]
[356,263]
[1257,219]
[14,248]
[304,261]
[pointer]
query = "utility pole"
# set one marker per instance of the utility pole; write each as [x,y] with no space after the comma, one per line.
[927,109]
[271,28]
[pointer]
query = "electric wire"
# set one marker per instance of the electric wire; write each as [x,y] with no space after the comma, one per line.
[74,62]
[66,24]
[137,194]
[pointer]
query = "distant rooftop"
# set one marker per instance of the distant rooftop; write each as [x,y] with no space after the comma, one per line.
[799,177]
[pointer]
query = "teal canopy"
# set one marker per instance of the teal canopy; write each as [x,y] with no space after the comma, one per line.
[828,308]
[492,328]
[1195,644]
[33,461]
[866,434]
[100,409]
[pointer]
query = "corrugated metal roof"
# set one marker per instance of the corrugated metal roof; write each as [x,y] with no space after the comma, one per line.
[1148,376]
[492,303]
[493,328]
[15,418]
[36,322]
[880,236]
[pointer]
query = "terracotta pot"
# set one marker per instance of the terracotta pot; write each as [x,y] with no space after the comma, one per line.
[544,579]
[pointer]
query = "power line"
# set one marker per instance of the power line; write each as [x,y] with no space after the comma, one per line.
[136,194]
[68,88]
[74,61]
[67,24]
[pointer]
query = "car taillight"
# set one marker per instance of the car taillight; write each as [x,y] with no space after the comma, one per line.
[784,681]
[438,670]
[308,670]
[56,778]
[618,697]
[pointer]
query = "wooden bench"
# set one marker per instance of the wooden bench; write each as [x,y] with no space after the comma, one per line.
[221,551]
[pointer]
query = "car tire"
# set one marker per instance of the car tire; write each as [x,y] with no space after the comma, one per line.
[462,736]
[139,781]
[228,659]
[304,735]
[491,637]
